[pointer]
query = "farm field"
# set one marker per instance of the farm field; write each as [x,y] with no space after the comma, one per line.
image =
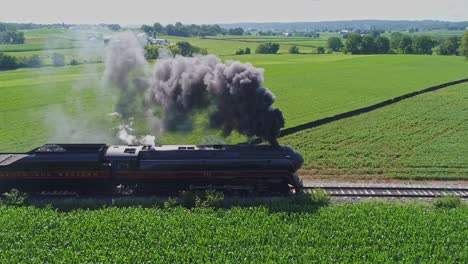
[306,86]
[339,233]
[228,47]
[29,95]
[309,87]
[422,137]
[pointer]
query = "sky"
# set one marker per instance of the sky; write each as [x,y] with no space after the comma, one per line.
[136,12]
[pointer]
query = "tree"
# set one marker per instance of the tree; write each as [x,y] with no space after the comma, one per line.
[33,61]
[406,44]
[114,27]
[17,38]
[320,50]
[395,40]
[151,52]
[294,50]
[240,52]
[247,50]
[450,46]
[334,43]
[464,45]
[382,45]
[376,32]
[353,43]
[58,60]
[236,31]
[368,45]
[7,62]
[158,28]
[185,48]
[147,29]
[424,44]
[267,48]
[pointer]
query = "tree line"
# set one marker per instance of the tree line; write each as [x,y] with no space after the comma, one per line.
[9,35]
[183,48]
[353,25]
[399,43]
[8,62]
[181,30]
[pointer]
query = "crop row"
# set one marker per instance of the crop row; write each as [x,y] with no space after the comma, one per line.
[422,137]
[340,233]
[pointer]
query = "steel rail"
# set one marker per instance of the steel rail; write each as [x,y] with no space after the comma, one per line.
[389,191]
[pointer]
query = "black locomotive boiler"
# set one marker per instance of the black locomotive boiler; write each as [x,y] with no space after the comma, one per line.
[102,169]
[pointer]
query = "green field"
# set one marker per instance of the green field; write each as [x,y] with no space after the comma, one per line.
[44,42]
[228,47]
[422,137]
[307,87]
[342,233]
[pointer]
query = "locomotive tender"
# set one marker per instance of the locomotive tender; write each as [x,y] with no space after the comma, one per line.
[99,169]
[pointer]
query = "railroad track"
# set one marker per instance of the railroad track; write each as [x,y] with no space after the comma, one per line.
[390,191]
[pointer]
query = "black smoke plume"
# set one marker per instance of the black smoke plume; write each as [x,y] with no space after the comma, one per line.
[183,85]
[169,96]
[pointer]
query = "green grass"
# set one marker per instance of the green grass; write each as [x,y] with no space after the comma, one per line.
[307,87]
[228,47]
[39,40]
[80,54]
[312,87]
[28,96]
[423,137]
[342,233]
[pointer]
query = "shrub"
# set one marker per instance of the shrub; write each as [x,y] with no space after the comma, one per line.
[187,49]
[320,50]
[14,198]
[174,50]
[239,52]
[74,62]
[247,50]
[210,199]
[8,62]
[187,199]
[449,201]
[294,50]
[267,48]
[170,203]
[58,60]
[151,52]
[34,61]
[201,51]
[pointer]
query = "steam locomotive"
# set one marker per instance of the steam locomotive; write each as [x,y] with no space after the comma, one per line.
[101,169]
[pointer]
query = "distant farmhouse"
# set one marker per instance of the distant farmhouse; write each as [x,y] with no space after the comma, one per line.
[159,42]
[143,39]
